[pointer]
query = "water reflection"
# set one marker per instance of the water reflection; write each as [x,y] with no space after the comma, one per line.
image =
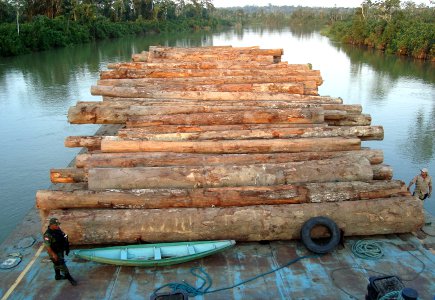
[420,142]
[394,67]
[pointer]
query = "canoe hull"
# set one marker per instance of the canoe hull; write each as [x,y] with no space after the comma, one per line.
[154,255]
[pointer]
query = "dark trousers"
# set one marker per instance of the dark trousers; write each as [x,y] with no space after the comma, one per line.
[59,265]
[424,196]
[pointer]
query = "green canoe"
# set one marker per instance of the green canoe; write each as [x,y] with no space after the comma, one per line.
[150,255]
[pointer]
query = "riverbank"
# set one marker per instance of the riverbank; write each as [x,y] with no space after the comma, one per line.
[44,33]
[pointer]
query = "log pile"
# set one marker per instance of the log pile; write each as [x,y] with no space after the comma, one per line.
[222,143]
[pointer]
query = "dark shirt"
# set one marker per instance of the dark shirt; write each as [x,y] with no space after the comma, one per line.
[57,240]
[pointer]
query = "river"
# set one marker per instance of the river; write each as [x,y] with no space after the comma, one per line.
[36,91]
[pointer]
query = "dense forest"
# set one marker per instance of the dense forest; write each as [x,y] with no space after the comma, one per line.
[402,29]
[34,25]
[387,25]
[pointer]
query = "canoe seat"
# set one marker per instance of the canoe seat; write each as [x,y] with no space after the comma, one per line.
[124,253]
[157,253]
[191,250]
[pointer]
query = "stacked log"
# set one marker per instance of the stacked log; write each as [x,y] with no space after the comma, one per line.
[222,143]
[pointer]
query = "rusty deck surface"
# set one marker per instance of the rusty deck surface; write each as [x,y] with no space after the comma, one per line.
[339,275]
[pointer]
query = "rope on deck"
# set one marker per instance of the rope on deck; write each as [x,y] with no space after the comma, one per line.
[367,249]
[394,295]
[207,280]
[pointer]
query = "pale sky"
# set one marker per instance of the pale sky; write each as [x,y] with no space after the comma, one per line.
[317,3]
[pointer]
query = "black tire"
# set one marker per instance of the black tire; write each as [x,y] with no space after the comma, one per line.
[327,247]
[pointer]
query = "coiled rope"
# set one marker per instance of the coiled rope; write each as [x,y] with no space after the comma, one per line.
[367,249]
[207,281]
[394,295]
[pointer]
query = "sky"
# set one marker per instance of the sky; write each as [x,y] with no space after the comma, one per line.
[316,3]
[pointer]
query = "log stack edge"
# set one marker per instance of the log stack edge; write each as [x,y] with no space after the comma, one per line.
[221,143]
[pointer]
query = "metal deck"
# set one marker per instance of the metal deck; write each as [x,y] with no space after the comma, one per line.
[339,275]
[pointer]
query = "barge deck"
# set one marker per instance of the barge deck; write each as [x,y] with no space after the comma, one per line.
[338,275]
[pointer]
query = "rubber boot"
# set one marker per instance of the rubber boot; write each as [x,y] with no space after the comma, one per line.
[70,279]
[58,276]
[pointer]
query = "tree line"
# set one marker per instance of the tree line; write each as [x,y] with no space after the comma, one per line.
[34,25]
[387,25]
[390,26]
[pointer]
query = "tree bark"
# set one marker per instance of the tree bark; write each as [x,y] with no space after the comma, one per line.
[345,169]
[207,65]
[161,159]
[251,115]
[311,80]
[119,113]
[68,175]
[221,196]
[90,142]
[248,223]
[363,132]
[78,175]
[139,91]
[238,146]
[291,101]
[212,73]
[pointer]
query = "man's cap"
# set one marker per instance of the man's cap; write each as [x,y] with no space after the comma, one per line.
[54,221]
[424,170]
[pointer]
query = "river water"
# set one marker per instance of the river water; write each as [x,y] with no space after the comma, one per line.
[36,91]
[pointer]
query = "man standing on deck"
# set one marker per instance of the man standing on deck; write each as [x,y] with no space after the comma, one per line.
[423,185]
[57,243]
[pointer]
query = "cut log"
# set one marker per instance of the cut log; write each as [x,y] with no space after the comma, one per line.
[382,172]
[220,197]
[228,114]
[168,198]
[264,116]
[68,175]
[184,106]
[351,120]
[362,132]
[310,80]
[345,169]
[248,223]
[200,95]
[160,159]
[140,124]
[216,73]
[228,65]
[186,53]
[238,146]
[289,102]
[90,142]
[73,175]
[119,112]
[139,91]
